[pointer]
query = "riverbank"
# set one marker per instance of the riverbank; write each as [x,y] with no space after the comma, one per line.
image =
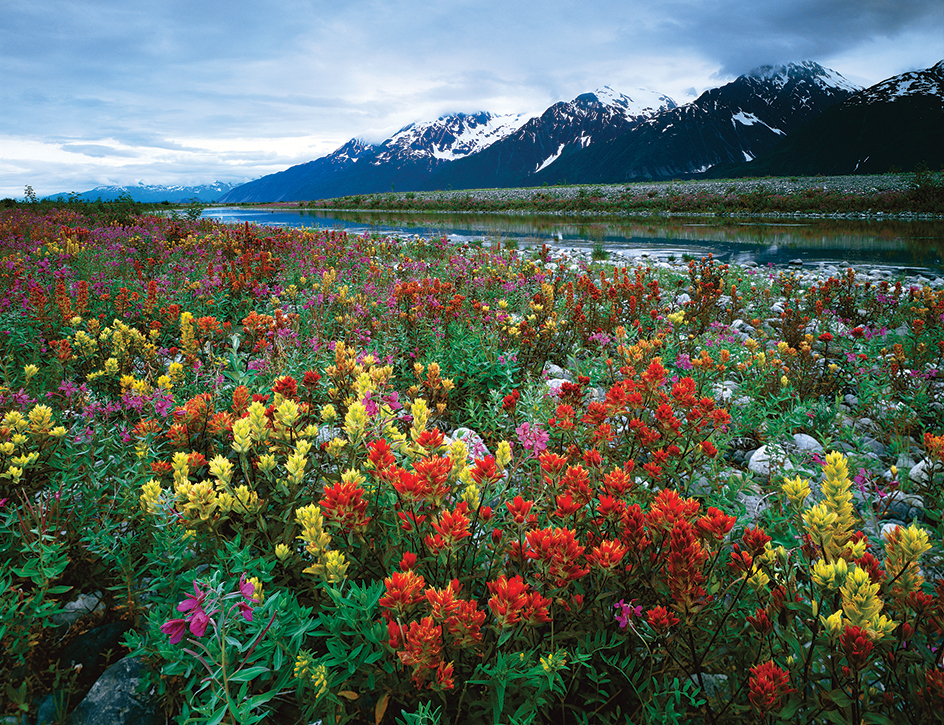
[917,195]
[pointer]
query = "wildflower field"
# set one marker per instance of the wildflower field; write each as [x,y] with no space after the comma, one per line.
[359,479]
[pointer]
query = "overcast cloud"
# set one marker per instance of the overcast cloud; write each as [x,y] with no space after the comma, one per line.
[168,91]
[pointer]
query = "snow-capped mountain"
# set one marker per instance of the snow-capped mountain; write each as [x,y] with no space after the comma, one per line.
[403,162]
[724,126]
[565,127]
[896,123]
[152,193]
[447,138]
[928,82]
[304,181]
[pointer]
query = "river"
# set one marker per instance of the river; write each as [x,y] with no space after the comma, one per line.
[907,247]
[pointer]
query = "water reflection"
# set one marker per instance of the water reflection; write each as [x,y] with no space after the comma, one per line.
[912,246]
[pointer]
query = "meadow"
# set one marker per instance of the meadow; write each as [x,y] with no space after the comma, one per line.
[358,479]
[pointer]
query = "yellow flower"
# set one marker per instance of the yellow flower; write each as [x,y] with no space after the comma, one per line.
[335,567]
[796,490]
[282,552]
[242,435]
[221,469]
[829,576]
[30,371]
[503,454]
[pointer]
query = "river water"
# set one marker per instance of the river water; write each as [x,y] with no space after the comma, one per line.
[905,247]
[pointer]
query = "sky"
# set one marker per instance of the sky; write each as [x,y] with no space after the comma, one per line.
[175,92]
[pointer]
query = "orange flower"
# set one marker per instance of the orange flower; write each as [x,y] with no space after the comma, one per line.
[443,602]
[607,554]
[465,623]
[509,597]
[404,590]
[344,504]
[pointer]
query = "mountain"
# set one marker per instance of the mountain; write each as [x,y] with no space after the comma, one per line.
[151,193]
[404,161]
[303,181]
[589,119]
[727,125]
[896,123]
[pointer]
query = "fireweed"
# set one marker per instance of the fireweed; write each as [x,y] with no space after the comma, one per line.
[281,402]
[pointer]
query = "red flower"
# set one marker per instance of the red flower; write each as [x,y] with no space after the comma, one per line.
[559,551]
[607,555]
[760,621]
[344,504]
[669,508]
[768,687]
[423,648]
[661,619]
[755,540]
[311,379]
[454,526]
[857,645]
[509,597]
[519,509]
[286,387]
[465,623]
[715,525]
[485,470]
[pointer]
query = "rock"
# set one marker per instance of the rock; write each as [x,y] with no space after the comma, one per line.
[851,400]
[873,446]
[555,385]
[760,462]
[114,698]
[78,608]
[806,442]
[754,506]
[919,472]
[553,371]
[87,648]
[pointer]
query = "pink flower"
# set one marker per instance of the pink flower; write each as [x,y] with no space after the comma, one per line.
[193,601]
[246,587]
[175,628]
[198,622]
[245,610]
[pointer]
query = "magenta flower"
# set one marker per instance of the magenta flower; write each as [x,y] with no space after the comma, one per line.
[175,628]
[245,610]
[192,601]
[199,620]
[246,587]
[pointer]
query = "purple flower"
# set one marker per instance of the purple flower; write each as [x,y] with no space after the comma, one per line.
[532,438]
[684,361]
[245,610]
[198,622]
[246,587]
[626,611]
[192,601]
[175,628]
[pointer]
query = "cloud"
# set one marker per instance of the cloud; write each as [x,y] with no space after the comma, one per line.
[180,90]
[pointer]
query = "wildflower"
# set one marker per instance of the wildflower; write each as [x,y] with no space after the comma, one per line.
[175,628]
[769,685]
[509,597]
[796,490]
[624,611]
[903,549]
[404,591]
[661,619]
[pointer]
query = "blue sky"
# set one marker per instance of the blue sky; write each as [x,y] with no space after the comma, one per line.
[168,91]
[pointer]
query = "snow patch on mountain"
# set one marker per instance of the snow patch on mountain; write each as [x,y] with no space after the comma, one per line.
[550,159]
[749,119]
[928,82]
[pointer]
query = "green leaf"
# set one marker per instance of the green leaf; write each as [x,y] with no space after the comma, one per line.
[248,673]
[877,718]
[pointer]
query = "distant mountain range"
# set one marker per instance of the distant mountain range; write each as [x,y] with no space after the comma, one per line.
[786,120]
[152,193]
